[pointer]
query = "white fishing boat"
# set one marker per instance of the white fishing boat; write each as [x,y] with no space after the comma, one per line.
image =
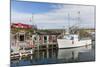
[71,40]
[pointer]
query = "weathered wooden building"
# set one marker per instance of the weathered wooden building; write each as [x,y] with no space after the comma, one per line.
[21,36]
[47,36]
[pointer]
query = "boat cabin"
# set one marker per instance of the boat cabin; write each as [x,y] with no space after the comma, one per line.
[71,37]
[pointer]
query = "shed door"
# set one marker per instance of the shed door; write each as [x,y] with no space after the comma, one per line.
[45,39]
[21,38]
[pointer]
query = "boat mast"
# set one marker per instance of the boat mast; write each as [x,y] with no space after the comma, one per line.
[78,24]
[67,28]
[32,18]
[68,23]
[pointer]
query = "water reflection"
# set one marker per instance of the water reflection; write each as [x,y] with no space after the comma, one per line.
[72,54]
[56,56]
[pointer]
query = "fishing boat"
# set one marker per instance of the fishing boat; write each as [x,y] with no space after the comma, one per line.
[71,39]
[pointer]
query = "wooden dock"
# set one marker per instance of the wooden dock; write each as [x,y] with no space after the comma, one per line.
[46,46]
[26,53]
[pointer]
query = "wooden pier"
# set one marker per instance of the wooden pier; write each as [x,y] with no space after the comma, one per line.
[46,46]
[38,48]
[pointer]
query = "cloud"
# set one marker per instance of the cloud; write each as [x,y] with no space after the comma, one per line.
[20,17]
[64,15]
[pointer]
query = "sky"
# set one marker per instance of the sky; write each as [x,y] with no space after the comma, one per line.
[52,15]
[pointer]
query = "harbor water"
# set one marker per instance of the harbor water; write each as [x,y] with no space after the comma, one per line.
[55,56]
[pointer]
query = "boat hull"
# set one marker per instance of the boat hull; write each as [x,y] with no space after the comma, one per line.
[64,43]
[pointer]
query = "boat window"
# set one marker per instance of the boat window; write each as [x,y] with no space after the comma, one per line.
[72,38]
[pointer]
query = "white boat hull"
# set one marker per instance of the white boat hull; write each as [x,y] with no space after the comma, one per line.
[64,43]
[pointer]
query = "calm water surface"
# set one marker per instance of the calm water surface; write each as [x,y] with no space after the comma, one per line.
[54,56]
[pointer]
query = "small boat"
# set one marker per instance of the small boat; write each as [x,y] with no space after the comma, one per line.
[26,52]
[15,55]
